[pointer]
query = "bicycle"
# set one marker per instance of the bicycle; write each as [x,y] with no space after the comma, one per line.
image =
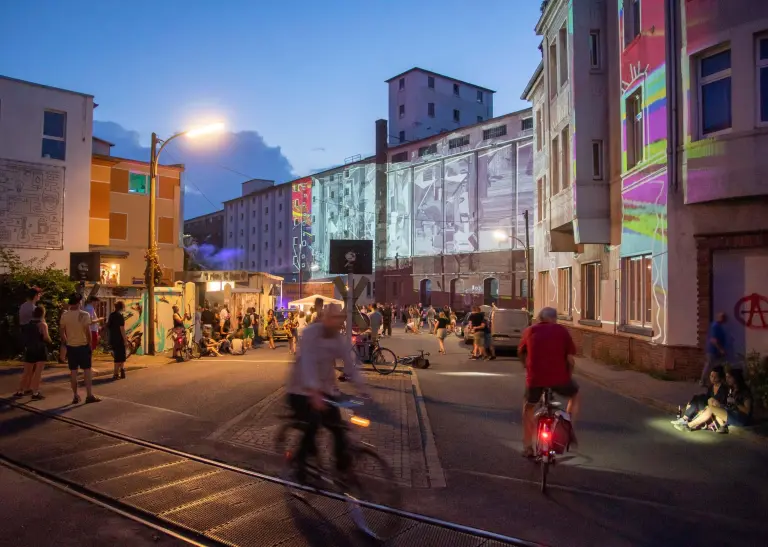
[384,360]
[551,439]
[416,360]
[357,490]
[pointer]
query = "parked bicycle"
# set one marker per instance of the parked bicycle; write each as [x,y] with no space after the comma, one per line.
[355,487]
[185,342]
[384,360]
[553,434]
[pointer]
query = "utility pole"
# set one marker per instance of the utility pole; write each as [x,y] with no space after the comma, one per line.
[527,262]
[151,248]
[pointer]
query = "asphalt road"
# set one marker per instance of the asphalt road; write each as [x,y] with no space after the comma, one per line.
[634,481]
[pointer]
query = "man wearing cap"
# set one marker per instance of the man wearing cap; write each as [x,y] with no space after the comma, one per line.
[312,382]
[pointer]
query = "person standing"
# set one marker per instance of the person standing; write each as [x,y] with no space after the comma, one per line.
[319,302]
[224,316]
[716,342]
[431,319]
[91,310]
[207,318]
[248,328]
[442,330]
[387,320]
[75,329]
[376,320]
[291,327]
[477,326]
[35,334]
[118,340]
[271,327]
[490,351]
[27,309]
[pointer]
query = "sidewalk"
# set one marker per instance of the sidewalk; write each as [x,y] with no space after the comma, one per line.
[398,429]
[661,394]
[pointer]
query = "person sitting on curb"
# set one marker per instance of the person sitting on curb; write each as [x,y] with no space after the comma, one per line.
[737,411]
[208,346]
[718,390]
[237,343]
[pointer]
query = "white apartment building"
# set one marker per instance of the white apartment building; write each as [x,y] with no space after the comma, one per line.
[45,170]
[424,103]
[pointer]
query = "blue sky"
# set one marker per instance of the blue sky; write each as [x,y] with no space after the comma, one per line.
[299,83]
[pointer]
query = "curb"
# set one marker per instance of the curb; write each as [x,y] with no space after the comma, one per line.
[664,406]
[435,472]
[96,373]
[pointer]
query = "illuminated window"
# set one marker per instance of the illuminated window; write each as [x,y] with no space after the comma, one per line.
[456,116]
[402,111]
[762,78]
[634,113]
[480,97]
[456,89]
[431,110]
[54,135]
[715,92]
[637,282]
[597,160]
[595,59]
[564,292]
[590,291]
[138,183]
[631,10]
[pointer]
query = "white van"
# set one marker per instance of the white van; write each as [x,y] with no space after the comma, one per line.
[507,327]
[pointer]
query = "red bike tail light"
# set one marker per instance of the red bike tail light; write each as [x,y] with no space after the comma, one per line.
[544,434]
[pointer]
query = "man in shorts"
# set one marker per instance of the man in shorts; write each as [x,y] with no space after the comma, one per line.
[547,350]
[75,329]
[118,340]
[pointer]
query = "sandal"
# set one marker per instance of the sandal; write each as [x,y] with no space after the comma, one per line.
[38,396]
[76,400]
[18,394]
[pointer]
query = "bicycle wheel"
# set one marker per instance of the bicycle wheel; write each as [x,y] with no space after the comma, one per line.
[195,352]
[372,481]
[384,361]
[544,474]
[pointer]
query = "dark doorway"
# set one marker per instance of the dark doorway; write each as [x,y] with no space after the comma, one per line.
[425,292]
[490,291]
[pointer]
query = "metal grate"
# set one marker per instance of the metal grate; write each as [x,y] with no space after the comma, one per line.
[90,457]
[233,504]
[425,535]
[123,466]
[34,450]
[151,479]
[176,495]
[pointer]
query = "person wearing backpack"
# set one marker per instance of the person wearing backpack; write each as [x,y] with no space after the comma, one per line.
[247,322]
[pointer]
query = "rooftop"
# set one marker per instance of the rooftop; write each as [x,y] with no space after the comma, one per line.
[532,82]
[45,86]
[414,69]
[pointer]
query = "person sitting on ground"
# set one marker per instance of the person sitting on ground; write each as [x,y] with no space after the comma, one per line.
[208,346]
[237,343]
[718,390]
[737,410]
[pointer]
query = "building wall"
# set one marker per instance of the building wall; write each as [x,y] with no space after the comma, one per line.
[49,218]
[119,217]
[416,122]
[207,229]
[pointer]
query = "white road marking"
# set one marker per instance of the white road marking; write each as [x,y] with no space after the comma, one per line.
[470,373]
[168,410]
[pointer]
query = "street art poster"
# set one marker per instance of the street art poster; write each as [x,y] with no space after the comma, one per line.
[31,205]
[496,197]
[301,217]
[399,221]
[428,209]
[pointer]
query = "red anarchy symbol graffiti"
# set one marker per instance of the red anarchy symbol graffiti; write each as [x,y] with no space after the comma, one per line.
[752,311]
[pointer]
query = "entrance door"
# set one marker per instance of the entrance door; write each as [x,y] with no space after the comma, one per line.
[425,292]
[490,291]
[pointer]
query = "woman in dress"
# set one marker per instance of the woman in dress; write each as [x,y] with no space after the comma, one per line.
[36,355]
[291,327]
[271,326]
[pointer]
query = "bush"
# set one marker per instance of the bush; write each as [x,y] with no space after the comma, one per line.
[756,370]
[17,277]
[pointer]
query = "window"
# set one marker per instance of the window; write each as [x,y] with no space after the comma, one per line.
[428,150]
[540,201]
[279,243]
[564,292]
[456,116]
[523,288]
[54,135]
[636,279]
[563,57]
[396,158]
[280,207]
[631,20]
[762,78]
[715,92]
[538,129]
[266,244]
[253,213]
[590,291]
[555,158]
[595,60]
[241,265]
[479,96]
[118,226]
[401,136]
[565,145]
[552,61]
[479,119]
[253,246]
[266,210]
[266,227]
[526,124]
[138,183]
[402,83]
[494,132]
[431,110]
[456,89]
[597,160]
[241,216]
[279,261]
[431,82]
[544,286]
[253,264]
[241,232]
[458,142]
[401,110]
[266,263]
[634,128]
[253,229]
[165,230]
[279,224]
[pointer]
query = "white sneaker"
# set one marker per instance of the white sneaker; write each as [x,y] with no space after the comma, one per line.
[679,421]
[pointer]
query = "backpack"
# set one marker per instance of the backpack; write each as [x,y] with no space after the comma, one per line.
[247,321]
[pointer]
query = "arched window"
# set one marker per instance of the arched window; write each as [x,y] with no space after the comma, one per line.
[490,291]
[456,299]
[425,292]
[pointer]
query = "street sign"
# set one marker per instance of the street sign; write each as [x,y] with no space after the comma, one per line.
[356,317]
[353,256]
[85,266]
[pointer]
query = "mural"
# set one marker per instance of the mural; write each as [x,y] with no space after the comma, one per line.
[399,203]
[301,217]
[428,209]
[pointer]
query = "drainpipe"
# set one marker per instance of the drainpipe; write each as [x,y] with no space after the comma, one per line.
[671,32]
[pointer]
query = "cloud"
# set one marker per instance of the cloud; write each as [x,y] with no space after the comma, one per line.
[215,166]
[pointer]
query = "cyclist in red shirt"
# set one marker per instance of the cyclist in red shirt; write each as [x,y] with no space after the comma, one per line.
[547,350]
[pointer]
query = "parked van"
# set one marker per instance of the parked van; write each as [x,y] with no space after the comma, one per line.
[507,327]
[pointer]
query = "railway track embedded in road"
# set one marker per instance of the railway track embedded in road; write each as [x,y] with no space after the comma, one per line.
[196,499]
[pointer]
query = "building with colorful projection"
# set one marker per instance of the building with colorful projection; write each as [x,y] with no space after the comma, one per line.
[651,240]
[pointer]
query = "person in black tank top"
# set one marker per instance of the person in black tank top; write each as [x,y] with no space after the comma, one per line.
[35,334]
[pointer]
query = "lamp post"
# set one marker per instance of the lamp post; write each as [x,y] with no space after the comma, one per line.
[151,257]
[499,235]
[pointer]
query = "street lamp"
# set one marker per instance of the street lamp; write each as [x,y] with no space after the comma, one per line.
[151,257]
[501,236]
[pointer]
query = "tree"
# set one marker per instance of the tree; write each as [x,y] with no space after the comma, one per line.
[17,277]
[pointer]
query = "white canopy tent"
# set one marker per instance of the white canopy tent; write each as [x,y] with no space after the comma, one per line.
[305,303]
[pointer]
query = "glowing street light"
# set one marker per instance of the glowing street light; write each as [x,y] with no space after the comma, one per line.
[152,244]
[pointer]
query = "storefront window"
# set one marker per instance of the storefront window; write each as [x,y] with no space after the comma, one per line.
[110,273]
